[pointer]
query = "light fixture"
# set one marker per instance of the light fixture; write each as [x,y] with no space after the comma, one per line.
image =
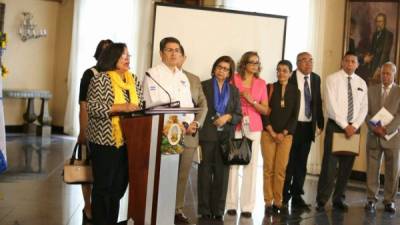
[27,29]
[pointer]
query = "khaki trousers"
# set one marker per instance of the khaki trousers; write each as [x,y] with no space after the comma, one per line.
[374,159]
[185,164]
[276,157]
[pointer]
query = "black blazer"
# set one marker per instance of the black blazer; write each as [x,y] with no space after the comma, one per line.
[316,100]
[209,131]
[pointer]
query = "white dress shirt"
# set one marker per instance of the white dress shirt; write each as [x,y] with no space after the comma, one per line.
[300,84]
[175,83]
[336,98]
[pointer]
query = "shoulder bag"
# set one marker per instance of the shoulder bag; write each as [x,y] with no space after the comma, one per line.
[236,151]
[76,169]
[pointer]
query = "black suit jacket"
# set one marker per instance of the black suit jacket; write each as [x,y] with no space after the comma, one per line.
[209,131]
[316,100]
[380,47]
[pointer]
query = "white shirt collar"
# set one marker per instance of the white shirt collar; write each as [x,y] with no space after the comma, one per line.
[166,67]
[299,73]
[346,75]
[390,86]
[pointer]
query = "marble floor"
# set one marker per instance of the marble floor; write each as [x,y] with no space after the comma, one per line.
[32,192]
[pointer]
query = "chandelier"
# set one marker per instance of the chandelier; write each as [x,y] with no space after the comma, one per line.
[27,30]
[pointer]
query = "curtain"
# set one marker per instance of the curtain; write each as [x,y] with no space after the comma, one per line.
[3,155]
[316,43]
[128,21]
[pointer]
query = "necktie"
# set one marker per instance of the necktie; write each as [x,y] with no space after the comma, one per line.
[384,95]
[349,101]
[307,98]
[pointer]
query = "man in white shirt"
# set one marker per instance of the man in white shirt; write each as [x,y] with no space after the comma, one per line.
[384,95]
[347,105]
[176,83]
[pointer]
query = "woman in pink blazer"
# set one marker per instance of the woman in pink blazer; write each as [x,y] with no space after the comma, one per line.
[254,101]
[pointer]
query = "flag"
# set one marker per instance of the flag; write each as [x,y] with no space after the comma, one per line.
[3,155]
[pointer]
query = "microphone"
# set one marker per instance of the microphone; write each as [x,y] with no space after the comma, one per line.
[171,104]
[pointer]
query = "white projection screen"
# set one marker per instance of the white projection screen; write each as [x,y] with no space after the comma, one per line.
[207,33]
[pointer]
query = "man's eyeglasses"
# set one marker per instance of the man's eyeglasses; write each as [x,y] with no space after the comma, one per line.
[171,50]
[225,69]
[254,63]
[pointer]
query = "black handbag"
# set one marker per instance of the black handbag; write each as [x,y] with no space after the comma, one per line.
[236,151]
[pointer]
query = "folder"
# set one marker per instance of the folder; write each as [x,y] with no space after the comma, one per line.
[341,145]
[382,117]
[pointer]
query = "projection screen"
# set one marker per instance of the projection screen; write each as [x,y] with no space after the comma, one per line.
[207,33]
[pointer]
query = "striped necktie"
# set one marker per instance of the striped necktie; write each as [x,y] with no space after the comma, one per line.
[349,101]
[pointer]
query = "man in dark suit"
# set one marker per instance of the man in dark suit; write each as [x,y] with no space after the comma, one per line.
[383,95]
[381,45]
[310,124]
[191,140]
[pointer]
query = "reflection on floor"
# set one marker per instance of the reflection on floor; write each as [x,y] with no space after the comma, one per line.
[32,192]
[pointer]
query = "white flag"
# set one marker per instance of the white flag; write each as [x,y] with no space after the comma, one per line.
[3,155]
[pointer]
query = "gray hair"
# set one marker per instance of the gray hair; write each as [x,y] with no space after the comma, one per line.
[394,68]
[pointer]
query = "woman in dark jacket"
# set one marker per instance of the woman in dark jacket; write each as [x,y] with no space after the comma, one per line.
[276,139]
[224,113]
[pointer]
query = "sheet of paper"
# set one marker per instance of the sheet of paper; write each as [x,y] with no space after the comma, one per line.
[389,136]
[383,117]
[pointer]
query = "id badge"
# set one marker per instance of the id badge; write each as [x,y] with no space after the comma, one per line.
[246,125]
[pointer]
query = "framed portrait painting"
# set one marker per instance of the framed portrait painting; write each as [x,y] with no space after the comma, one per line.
[371,31]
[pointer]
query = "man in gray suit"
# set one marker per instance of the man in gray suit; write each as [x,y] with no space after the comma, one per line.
[191,140]
[384,95]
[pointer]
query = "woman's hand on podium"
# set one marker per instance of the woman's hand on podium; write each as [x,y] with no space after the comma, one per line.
[124,107]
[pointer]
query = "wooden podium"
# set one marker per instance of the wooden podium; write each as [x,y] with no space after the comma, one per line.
[152,175]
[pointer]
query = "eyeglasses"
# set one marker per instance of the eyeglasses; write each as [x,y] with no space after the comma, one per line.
[170,50]
[254,63]
[126,56]
[225,69]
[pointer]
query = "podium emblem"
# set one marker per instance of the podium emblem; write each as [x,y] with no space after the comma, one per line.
[172,139]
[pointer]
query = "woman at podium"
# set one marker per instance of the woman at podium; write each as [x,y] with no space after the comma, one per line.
[113,90]
[224,113]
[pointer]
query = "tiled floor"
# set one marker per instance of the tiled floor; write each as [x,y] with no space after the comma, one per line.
[32,192]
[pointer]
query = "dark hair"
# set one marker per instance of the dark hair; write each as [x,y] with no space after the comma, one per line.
[100,47]
[109,57]
[285,62]
[244,60]
[382,15]
[167,40]
[350,53]
[182,50]
[226,59]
